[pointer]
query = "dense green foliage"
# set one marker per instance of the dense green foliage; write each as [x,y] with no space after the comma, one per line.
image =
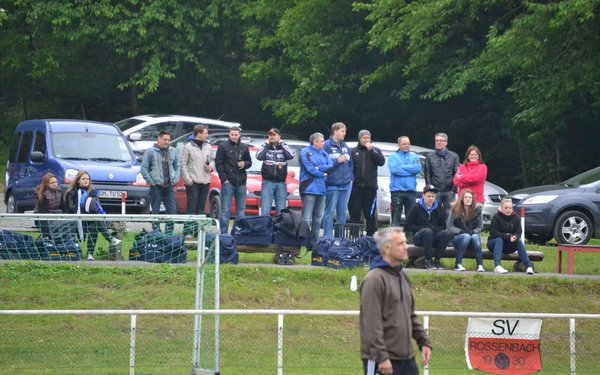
[517,78]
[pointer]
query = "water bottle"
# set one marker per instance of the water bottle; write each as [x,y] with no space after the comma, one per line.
[353,284]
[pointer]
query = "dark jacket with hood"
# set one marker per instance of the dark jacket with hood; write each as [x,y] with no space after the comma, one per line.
[226,160]
[420,217]
[365,165]
[503,226]
[387,315]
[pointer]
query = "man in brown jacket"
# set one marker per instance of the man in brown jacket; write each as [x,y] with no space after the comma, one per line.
[387,312]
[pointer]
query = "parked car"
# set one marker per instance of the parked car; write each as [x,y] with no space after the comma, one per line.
[142,131]
[493,194]
[253,185]
[568,211]
[65,147]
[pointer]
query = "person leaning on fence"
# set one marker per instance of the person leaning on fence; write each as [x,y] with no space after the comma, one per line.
[314,164]
[440,167]
[428,222]
[274,154]
[465,222]
[404,166]
[48,200]
[82,198]
[363,199]
[505,234]
[387,312]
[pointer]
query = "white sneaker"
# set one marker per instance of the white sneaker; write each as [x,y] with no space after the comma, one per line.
[459,268]
[529,271]
[90,256]
[500,269]
[480,268]
[115,241]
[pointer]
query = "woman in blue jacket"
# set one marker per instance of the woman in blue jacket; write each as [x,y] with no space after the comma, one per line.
[314,164]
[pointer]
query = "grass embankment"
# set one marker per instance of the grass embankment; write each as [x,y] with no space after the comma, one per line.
[313,345]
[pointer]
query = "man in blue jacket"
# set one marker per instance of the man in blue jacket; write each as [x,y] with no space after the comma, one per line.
[339,179]
[314,164]
[160,168]
[404,166]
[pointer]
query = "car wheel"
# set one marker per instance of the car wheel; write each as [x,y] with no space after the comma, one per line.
[11,205]
[573,227]
[215,207]
[537,238]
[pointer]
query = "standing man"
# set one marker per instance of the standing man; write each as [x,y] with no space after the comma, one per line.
[339,179]
[274,155]
[231,161]
[363,199]
[440,167]
[404,166]
[387,312]
[160,168]
[196,166]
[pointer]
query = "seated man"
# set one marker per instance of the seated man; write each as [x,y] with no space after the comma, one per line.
[428,223]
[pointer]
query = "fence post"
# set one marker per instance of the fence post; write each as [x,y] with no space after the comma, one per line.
[426,328]
[572,351]
[280,344]
[132,333]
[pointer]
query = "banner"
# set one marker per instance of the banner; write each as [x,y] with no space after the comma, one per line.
[504,346]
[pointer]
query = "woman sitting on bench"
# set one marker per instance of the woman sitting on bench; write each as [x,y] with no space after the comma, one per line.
[505,231]
[465,222]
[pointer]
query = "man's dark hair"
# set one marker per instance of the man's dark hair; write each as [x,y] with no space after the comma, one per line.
[235,128]
[163,132]
[199,129]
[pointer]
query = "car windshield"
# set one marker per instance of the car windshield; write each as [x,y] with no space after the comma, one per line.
[584,178]
[90,146]
[128,123]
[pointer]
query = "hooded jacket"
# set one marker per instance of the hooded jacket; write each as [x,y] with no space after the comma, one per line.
[226,160]
[314,165]
[339,177]
[503,226]
[419,217]
[472,176]
[388,321]
[274,158]
[365,163]
[193,160]
[404,167]
[152,166]
[440,168]
[459,225]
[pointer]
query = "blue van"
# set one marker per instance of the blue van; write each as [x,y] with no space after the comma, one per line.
[64,147]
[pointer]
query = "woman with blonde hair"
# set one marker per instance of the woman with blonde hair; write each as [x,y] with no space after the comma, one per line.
[465,222]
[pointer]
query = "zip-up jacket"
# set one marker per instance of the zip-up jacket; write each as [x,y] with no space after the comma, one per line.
[274,166]
[365,165]
[419,217]
[388,321]
[339,177]
[152,170]
[440,168]
[459,225]
[404,167]
[472,176]
[193,162]
[226,161]
[504,227]
[314,165]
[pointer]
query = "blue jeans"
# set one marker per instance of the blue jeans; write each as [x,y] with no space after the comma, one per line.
[496,245]
[166,194]
[401,199]
[335,201]
[313,207]
[445,199]
[270,190]
[466,241]
[228,191]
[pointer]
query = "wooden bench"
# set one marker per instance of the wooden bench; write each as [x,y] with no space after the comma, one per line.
[571,250]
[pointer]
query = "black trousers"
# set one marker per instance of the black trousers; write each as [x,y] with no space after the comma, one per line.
[364,201]
[399,367]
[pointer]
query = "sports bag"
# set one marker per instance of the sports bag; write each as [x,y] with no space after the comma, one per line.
[158,247]
[344,254]
[290,229]
[17,246]
[253,230]
[228,252]
[368,248]
[320,252]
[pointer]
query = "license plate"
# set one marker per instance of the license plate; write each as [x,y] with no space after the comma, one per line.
[112,194]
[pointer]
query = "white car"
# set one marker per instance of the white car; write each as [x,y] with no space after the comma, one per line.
[142,131]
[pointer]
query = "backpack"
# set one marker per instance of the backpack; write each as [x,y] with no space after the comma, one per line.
[158,247]
[253,230]
[290,229]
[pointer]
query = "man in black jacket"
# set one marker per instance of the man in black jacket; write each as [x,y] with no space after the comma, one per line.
[363,199]
[440,167]
[231,161]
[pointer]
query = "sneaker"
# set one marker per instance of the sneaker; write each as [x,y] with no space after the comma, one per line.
[529,270]
[429,265]
[115,241]
[438,265]
[480,268]
[459,268]
[90,256]
[500,269]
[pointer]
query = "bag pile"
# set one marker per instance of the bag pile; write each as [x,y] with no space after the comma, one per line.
[339,253]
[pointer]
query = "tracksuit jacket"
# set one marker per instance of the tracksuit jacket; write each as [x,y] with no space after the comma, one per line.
[274,166]
[314,165]
[226,160]
[440,168]
[388,321]
[365,165]
[152,166]
[339,177]
[404,167]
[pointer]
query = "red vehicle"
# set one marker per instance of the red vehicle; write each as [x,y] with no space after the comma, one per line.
[253,184]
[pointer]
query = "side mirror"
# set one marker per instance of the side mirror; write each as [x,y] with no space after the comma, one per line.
[38,157]
[133,137]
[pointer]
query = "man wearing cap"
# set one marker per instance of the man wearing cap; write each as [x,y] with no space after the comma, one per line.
[363,199]
[428,223]
[440,167]
[274,154]
[404,166]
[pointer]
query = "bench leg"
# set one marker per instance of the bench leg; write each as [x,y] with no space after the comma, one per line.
[559,265]
[570,257]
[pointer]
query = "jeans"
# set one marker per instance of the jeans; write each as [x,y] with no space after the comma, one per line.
[401,199]
[270,190]
[399,367]
[313,207]
[196,202]
[445,199]
[466,241]
[166,194]
[364,201]
[335,200]
[228,192]
[496,245]
[93,228]
[427,239]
